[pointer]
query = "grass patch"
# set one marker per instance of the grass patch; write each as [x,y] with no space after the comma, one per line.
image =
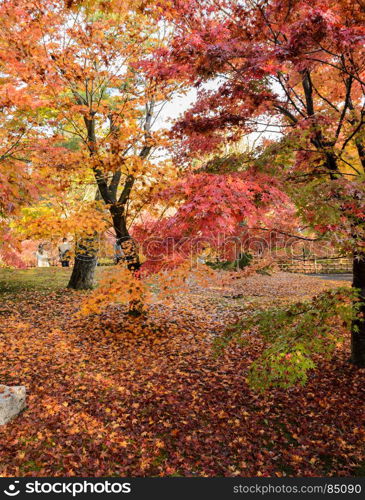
[38,279]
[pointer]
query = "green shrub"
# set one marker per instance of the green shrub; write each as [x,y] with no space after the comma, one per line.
[294,337]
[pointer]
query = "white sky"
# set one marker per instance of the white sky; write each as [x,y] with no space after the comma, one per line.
[174,109]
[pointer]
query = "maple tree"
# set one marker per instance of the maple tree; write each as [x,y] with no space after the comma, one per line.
[296,69]
[84,63]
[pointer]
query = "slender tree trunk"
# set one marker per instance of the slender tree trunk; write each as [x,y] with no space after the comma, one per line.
[358,325]
[358,266]
[127,243]
[361,152]
[130,251]
[83,272]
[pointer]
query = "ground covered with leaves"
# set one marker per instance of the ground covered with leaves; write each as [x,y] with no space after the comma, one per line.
[110,395]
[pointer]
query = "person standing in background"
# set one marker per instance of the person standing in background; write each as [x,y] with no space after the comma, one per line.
[64,252]
[42,256]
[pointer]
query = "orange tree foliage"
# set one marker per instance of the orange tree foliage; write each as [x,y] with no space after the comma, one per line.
[83,62]
[22,182]
[93,68]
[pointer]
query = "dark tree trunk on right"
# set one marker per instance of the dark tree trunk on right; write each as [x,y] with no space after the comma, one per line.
[358,325]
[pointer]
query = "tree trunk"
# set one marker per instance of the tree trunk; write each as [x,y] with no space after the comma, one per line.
[361,152]
[130,250]
[83,273]
[358,325]
[82,277]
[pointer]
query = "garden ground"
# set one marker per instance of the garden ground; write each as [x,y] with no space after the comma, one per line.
[110,395]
